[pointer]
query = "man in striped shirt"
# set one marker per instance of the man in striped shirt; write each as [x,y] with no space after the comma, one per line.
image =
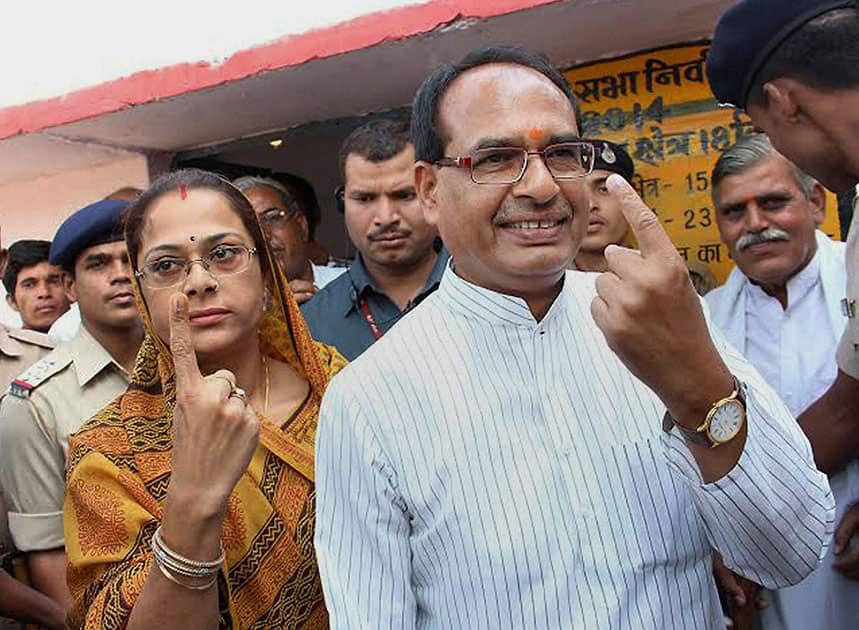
[521,450]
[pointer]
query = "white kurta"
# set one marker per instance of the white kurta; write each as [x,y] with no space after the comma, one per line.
[794,350]
[476,468]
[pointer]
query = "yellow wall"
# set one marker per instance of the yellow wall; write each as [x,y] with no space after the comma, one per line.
[659,105]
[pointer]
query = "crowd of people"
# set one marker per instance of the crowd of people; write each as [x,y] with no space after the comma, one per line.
[512,410]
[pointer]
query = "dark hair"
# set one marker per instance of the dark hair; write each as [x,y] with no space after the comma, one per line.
[304,195]
[822,54]
[191,179]
[425,132]
[376,141]
[126,193]
[23,254]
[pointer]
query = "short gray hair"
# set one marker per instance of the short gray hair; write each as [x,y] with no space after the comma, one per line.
[246,182]
[748,151]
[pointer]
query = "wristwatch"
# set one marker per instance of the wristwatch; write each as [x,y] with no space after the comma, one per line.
[722,423]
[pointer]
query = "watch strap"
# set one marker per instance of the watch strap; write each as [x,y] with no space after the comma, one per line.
[691,435]
[700,434]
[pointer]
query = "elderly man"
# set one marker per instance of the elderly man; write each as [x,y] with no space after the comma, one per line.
[287,230]
[606,223]
[792,67]
[466,480]
[789,280]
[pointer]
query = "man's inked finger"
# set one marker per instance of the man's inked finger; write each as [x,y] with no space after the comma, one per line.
[181,346]
[623,261]
[652,239]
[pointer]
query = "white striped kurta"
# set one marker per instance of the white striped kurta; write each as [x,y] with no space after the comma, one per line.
[476,468]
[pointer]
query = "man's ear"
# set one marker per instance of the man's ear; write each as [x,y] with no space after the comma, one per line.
[817,199]
[781,100]
[426,188]
[69,287]
[303,226]
[10,300]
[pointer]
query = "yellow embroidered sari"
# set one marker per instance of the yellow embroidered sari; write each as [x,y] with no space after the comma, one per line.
[119,468]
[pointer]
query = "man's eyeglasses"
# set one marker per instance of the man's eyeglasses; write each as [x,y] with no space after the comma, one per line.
[506,165]
[276,217]
[170,271]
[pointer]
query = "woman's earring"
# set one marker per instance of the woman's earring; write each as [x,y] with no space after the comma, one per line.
[266,301]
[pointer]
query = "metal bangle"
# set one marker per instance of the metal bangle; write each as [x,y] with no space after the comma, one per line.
[185,565]
[194,587]
[181,569]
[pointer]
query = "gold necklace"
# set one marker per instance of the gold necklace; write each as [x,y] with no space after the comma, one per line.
[267,386]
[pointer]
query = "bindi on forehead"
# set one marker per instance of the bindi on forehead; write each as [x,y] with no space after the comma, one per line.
[536,133]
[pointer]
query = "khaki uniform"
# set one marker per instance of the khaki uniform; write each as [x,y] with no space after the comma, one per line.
[848,351]
[19,349]
[47,403]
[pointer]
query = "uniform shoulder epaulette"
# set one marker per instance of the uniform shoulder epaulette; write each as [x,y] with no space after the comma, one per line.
[38,373]
[32,337]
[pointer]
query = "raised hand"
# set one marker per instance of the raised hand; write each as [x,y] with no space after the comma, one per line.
[215,431]
[652,318]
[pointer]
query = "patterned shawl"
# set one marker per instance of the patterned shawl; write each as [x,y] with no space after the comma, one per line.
[119,468]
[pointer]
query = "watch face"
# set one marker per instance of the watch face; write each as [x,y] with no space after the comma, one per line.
[727,421]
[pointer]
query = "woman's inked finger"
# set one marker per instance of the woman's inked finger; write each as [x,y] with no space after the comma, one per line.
[181,347]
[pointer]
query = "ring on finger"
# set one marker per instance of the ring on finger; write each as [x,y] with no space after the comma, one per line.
[238,392]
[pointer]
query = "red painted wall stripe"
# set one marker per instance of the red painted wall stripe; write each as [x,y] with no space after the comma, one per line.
[149,85]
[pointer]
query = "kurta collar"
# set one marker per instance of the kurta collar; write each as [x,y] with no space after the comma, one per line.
[493,307]
[797,287]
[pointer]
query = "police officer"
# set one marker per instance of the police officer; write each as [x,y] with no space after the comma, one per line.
[606,223]
[56,395]
[18,350]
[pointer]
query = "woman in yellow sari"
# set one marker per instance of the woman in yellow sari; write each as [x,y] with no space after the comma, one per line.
[190,499]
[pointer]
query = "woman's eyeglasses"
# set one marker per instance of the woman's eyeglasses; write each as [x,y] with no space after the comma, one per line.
[170,271]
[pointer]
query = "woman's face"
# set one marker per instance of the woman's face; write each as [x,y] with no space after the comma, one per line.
[224,311]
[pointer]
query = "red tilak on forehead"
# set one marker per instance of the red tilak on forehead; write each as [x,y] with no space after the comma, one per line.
[183,191]
[535,134]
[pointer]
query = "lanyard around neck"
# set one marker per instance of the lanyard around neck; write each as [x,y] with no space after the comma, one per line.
[368,317]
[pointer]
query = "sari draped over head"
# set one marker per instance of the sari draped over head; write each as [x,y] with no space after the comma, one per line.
[119,469]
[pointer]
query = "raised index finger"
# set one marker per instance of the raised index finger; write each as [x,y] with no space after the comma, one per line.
[181,347]
[652,239]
